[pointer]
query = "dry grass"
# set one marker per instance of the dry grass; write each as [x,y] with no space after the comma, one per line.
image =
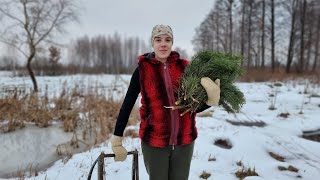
[205,175]
[277,157]
[245,172]
[247,123]
[284,115]
[289,168]
[21,174]
[313,137]
[262,75]
[239,163]
[223,143]
[91,117]
[212,158]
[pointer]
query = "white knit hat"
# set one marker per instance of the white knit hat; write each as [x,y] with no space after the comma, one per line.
[161,29]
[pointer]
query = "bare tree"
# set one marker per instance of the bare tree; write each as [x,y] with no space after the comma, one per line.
[183,53]
[272,37]
[230,24]
[292,8]
[250,2]
[263,33]
[242,30]
[28,23]
[310,28]
[302,22]
[317,42]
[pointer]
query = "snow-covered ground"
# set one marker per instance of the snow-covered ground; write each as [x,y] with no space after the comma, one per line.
[250,144]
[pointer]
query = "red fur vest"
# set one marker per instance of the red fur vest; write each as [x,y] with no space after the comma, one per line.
[160,126]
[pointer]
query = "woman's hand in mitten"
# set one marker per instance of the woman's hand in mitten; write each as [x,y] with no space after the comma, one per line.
[117,148]
[212,89]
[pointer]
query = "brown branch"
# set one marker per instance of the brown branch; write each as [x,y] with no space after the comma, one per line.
[6,13]
[52,25]
[38,17]
[14,45]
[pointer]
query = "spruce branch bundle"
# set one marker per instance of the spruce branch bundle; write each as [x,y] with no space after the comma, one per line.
[226,67]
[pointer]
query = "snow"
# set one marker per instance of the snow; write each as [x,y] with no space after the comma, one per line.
[5,73]
[250,144]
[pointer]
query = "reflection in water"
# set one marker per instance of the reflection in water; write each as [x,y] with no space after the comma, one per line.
[30,146]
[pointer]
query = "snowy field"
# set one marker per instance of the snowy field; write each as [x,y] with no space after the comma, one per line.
[249,145]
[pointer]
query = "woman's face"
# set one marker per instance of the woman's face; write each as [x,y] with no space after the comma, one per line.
[162,47]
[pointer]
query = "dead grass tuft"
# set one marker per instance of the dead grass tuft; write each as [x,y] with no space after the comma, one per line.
[90,116]
[245,172]
[289,168]
[284,115]
[272,107]
[266,74]
[205,175]
[224,143]
[277,157]
[247,123]
[212,158]
[313,135]
[239,163]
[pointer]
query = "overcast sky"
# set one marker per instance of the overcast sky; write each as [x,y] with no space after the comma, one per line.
[137,18]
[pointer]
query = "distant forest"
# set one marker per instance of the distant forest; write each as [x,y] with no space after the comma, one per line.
[269,34]
[98,54]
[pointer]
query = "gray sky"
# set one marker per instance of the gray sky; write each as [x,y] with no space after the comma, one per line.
[137,17]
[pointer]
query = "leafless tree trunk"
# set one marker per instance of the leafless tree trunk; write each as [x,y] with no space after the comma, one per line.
[272,37]
[263,34]
[249,34]
[302,22]
[293,10]
[242,27]
[28,23]
[309,44]
[317,41]
[230,25]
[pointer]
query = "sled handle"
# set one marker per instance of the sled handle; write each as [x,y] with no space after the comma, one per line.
[100,161]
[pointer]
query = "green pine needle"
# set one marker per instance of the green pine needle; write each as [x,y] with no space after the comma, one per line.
[226,67]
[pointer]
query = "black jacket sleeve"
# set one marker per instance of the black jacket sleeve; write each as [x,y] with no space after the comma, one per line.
[204,107]
[128,103]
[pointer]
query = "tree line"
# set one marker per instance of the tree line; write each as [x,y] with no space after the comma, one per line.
[111,54]
[28,27]
[266,33]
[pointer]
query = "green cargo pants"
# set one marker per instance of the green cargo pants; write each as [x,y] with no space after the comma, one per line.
[167,163]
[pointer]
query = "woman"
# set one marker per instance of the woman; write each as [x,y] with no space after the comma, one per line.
[167,136]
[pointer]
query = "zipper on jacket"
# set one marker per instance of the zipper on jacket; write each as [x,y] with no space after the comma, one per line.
[172,136]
